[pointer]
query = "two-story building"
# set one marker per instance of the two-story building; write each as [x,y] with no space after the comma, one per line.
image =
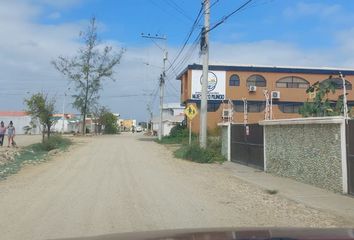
[237,84]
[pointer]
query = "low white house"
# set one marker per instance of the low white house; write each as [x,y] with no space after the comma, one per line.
[70,123]
[21,120]
[172,115]
[168,123]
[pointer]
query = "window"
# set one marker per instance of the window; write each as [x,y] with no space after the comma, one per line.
[255,106]
[338,83]
[238,107]
[251,107]
[213,106]
[234,80]
[290,107]
[256,80]
[292,82]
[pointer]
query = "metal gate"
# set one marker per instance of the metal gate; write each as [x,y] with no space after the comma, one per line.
[247,145]
[350,155]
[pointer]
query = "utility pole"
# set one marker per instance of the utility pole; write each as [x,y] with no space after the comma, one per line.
[162,78]
[204,94]
[148,108]
[63,119]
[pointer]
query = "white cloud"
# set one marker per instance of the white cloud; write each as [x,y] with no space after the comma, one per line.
[312,9]
[268,52]
[54,15]
[59,3]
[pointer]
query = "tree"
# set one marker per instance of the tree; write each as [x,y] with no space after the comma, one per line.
[320,105]
[97,114]
[92,64]
[40,107]
[109,121]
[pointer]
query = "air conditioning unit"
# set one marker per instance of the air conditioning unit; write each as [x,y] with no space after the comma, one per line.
[252,88]
[275,94]
[226,113]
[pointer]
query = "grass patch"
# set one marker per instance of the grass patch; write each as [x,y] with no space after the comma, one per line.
[33,154]
[180,135]
[197,154]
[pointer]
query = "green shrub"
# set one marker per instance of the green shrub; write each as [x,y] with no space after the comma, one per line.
[178,134]
[214,143]
[197,154]
[179,131]
[54,142]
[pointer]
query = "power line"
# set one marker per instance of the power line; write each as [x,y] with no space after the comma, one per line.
[163,9]
[230,14]
[194,25]
[175,6]
[181,64]
[215,2]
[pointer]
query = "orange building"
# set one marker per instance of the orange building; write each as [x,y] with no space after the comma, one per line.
[234,84]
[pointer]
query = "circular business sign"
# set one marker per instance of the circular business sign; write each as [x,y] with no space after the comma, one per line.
[212,81]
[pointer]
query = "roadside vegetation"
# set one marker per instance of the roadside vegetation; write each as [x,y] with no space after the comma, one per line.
[32,154]
[319,104]
[105,120]
[180,135]
[41,107]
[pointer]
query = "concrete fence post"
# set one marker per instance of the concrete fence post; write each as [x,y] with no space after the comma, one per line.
[344,156]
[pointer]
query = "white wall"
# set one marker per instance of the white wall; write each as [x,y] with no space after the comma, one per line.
[58,126]
[167,126]
[19,123]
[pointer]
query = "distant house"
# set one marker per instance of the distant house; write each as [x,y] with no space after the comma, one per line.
[21,121]
[126,124]
[70,123]
[172,115]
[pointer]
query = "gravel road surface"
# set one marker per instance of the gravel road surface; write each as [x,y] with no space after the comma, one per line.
[125,183]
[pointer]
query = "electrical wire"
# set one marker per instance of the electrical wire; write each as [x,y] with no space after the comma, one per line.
[212,5]
[181,64]
[176,7]
[163,9]
[223,19]
[194,25]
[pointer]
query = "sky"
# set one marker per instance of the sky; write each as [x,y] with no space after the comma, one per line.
[310,33]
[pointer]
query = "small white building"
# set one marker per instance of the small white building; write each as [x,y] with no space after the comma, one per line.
[70,123]
[172,109]
[172,115]
[168,123]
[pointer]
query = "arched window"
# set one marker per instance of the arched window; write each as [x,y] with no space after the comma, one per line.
[292,82]
[234,80]
[256,80]
[338,83]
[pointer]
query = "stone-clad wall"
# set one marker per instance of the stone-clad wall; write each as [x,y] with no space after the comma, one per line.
[310,153]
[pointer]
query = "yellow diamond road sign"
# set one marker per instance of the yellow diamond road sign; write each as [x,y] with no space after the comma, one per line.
[190,111]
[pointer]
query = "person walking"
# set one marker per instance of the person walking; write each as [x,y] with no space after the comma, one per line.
[11,134]
[2,132]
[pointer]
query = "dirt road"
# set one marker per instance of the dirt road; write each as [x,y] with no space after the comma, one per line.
[122,183]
